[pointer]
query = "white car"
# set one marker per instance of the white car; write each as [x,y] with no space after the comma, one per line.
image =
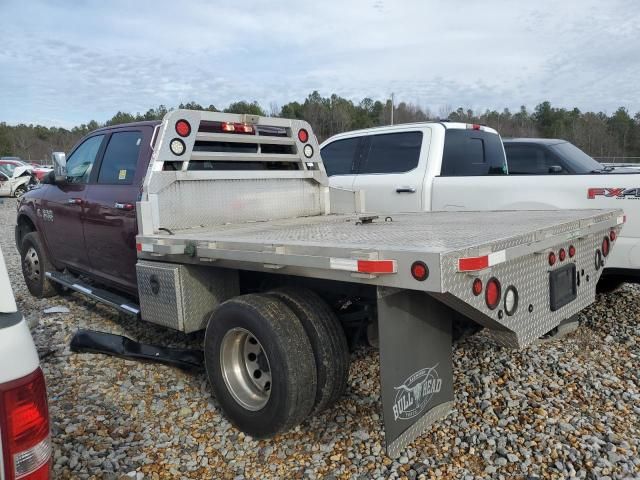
[14,180]
[456,166]
[25,444]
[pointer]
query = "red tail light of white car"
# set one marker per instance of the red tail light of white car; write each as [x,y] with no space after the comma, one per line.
[25,443]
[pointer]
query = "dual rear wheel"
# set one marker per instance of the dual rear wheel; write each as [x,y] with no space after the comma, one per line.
[273,359]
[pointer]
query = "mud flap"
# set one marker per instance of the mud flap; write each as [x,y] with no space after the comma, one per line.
[416,373]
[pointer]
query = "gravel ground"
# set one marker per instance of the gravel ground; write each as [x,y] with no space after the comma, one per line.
[565,408]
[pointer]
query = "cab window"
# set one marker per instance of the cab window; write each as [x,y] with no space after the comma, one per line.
[120,158]
[81,161]
[472,153]
[392,153]
[338,157]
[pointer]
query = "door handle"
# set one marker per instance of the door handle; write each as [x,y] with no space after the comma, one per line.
[124,206]
[405,189]
[74,201]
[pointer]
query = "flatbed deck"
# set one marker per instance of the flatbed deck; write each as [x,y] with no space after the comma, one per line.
[429,236]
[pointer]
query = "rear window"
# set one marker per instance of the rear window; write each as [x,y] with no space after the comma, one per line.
[392,153]
[338,156]
[472,153]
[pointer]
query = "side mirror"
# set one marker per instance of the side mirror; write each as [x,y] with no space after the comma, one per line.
[59,166]
[3,177]
[555,169]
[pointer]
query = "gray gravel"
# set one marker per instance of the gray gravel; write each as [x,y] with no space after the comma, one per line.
[566,408]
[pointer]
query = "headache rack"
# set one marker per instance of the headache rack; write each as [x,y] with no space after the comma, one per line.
[211,168]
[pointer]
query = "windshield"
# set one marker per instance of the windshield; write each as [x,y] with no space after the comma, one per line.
[576,159]
[7,169]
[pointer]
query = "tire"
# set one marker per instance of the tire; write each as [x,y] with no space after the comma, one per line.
[282,353]
[21,190]
[328,341]
[608,285]
[35,263]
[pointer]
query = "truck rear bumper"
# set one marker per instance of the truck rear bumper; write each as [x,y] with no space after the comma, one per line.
[626,257]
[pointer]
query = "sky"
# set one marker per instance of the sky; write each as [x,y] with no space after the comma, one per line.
[63,63]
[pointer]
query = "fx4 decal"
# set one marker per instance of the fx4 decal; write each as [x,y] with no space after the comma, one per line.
[611,192]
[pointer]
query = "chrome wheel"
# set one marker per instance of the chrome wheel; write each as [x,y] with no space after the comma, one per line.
[245,369]
[32,264]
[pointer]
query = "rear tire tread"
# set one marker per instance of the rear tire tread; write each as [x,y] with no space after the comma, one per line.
[328,340]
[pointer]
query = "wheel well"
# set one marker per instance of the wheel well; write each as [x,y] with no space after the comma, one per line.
[25,225]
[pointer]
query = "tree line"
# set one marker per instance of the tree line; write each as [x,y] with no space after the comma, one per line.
[599,134]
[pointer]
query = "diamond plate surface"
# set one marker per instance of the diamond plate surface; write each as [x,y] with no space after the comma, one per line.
[187,294]
[434,232]
[530,275]
[188,204]
[162,308]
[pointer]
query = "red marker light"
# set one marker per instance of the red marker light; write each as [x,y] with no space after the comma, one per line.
[303,135]
[183,128]
[477,287]
[572,251]
[562,254]
[613,235]
[419,271]
[552,259]
[492,293]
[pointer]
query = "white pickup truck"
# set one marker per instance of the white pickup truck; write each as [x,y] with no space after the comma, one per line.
[427,167]
[25,448]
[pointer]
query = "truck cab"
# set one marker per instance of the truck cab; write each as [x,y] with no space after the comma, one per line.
[393,165]
[89,219]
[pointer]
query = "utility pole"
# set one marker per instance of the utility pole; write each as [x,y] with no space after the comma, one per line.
[392,108]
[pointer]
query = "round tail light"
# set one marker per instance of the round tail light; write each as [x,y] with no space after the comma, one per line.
[613,235]
[552,259]
[419,271]
[477,287]
[605,246]
[177,146]
[492,293]
[308,151]
[562,254]
[511,300]
[183,128]
[303,135]
[572,251]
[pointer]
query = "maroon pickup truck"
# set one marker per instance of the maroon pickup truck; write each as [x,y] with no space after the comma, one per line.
[88,222]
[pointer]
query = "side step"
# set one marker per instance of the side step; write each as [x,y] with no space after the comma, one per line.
[103,296]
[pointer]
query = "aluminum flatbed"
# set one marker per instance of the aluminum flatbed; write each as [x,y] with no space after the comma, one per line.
[231,204]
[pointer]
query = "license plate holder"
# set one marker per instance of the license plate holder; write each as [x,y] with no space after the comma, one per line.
[562,286]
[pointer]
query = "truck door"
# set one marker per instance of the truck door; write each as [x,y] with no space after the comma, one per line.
[110,219]
[63,207]
[390,172]
[340,158]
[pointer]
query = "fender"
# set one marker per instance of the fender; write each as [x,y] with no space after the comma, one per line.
[27,208]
